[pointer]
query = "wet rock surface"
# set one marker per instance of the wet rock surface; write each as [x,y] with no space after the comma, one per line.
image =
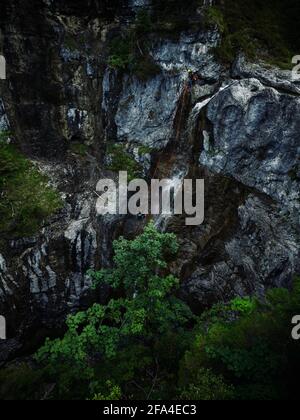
[146,111]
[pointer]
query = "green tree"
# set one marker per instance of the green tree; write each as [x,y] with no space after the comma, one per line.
[130,340]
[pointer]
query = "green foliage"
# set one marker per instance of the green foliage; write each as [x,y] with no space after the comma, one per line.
[266,29]
[123,340]
[130,51]
[4,135]
[143,342]
[120,160]
[71,42]
[244,306]
[144,150]
[114,393]
[146,68]
[215,17]
[249,343]
[79,149]
[207,387]
[140,344]
[260,28]
[26,199]
[121,53]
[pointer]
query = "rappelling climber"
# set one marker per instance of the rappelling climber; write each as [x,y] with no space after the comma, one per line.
[196,77]
[193,78]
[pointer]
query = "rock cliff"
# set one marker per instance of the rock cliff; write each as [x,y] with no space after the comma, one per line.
[238,129]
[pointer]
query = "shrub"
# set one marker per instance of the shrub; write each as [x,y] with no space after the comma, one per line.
[120,160]
[26,198]
[114,393]
[144,150]
[249,343]
[121,53]
[215,17]
[146,68]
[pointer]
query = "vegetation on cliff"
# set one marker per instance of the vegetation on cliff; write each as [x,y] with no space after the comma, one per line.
[267,29]
[118,159]
[145,343]
[130,51]
[26,199]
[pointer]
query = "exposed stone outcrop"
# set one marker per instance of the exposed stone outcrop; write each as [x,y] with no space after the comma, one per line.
[255,139]
[146,111]
[269,76]
[263,252]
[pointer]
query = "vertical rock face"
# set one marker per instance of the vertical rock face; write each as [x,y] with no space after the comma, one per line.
[52,104]
[54,63]
[264,159]
[239,130]
[146,111]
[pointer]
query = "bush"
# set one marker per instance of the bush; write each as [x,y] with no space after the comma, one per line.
[120,160]
[26,198]
[215,17]
[121,53]
[114,393]
[142,343]
[249,343]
